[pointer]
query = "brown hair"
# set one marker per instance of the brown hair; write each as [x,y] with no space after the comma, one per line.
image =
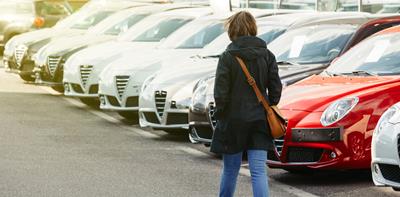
[241,24]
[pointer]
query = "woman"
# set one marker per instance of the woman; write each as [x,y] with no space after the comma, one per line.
[241,121]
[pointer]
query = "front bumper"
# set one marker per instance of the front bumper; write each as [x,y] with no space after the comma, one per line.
[76,90]
[170,118]
[385,164]
[25,67]
[202,124]
[114,103]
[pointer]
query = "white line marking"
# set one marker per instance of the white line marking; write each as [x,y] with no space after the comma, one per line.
[287,188]
[102,115]
[243,171]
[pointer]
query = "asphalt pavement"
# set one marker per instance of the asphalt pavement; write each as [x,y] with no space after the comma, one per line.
[51,145]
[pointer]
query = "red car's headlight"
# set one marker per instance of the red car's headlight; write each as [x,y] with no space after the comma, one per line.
[337,110]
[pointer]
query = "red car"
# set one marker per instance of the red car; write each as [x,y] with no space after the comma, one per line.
[332,115]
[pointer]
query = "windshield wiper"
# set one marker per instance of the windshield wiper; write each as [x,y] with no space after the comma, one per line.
[363,72]
[288,63]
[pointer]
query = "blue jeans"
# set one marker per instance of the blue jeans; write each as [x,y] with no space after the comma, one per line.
[257,160]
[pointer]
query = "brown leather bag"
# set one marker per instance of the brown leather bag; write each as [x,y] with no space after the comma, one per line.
[277,122]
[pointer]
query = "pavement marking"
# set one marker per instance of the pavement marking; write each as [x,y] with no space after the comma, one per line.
[287,188]
[243,170]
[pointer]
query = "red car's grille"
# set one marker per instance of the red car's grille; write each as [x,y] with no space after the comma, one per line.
[299,154]
[398,145]
[390,172]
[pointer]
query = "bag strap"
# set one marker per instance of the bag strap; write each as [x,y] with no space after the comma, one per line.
[253,84]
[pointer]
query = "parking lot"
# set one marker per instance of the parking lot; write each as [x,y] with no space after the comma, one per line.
[52,145]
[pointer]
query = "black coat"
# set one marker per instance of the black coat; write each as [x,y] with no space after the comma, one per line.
[241,119]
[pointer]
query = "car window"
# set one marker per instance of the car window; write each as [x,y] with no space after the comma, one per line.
[203,37]
[378,55]
[298,4]
[91,20]
[270,33]
[125,24]
[162,30]
[314,44]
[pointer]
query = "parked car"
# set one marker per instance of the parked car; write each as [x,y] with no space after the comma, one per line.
[20,16]
[201,119]
[83,82]
[20,51]
[137,67]
[165,97]
[51,58]
[385,149]
[332,116]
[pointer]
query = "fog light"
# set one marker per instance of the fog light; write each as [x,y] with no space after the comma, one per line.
[66,87]
[376,170]
[102,100]
[332,155]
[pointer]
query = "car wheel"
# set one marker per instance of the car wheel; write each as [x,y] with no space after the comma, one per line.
[92,102]
[27,77]
[130,115]
[58,88]
[396,189]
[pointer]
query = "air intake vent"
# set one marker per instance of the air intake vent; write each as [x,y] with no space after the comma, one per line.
[121,82]
[85,73]
[52,63]
[211,111]
[279,145]
[398,145]
[160,98]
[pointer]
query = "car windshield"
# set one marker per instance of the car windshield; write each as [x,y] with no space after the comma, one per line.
[390,8]
[91,20]
[203,37]
[125,24]
[162,30]
[379,55]
[298,4]
[311,45]
[266,32]
[16,7]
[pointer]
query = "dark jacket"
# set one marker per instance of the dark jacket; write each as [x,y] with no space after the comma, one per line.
[241,120]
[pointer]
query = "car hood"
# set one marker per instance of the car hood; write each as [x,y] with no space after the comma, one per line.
[32,37]
[187,71]
[316,92]
[100,55]
[62,45]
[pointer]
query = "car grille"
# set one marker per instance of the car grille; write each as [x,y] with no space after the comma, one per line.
[19,54]
[278,143]
[177,118]
[132,101]
[398,145]
[121,82]
[211,111]
[299,154]
[52,63]
[390,172]
[85,73]
[271,156]
[77,88]
[113,101]
[94,89]
[204,132]
[160,98]
[151,117]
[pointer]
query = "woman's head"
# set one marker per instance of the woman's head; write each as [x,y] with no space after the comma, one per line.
[241,24]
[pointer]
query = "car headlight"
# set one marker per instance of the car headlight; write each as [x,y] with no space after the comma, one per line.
[385,118]
[337,110]
[199,97]
[147,82]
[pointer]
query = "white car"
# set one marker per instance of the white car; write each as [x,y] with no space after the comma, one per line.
[82,69]
[20,51]
[51,58]
[132,69]
[386,149]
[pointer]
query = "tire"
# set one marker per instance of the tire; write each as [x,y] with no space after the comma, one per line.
[92,102]
[58,88]
[397,189]
[130,115]
[27,77]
